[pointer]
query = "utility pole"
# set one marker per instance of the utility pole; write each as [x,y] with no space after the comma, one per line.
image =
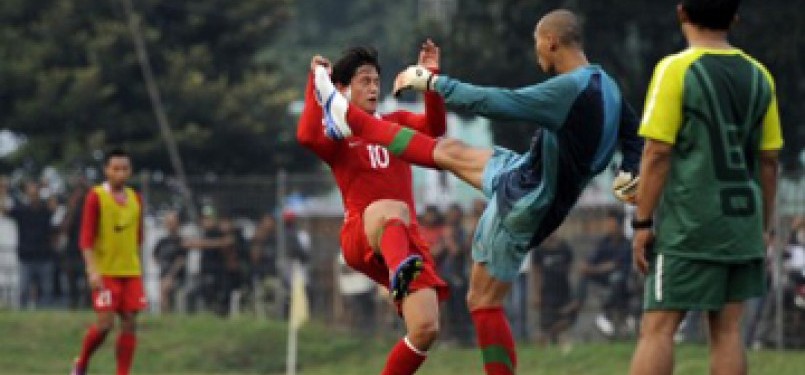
[158,107]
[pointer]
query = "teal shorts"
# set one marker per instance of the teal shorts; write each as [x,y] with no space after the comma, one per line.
[502,239]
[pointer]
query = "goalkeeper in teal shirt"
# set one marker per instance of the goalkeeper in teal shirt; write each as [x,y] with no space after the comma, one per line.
[580,118]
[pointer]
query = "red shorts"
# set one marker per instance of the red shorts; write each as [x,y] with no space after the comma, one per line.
[361,257]
[120,294]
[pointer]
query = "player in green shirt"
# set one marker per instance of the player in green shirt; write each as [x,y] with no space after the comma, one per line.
[708,171]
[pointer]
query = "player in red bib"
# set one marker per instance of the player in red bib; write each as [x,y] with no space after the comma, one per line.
[380,236]
[111,235]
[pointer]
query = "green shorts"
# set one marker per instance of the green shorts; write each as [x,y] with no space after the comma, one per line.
[676,283]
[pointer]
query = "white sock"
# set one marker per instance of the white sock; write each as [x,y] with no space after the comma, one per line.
[324,86]
[338,105]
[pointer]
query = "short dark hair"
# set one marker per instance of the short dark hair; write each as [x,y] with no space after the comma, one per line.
[711,14]
[115,153]
[352,59]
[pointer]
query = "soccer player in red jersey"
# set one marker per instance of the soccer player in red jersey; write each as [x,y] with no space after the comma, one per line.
[579,118]
[380,236]
[111,235]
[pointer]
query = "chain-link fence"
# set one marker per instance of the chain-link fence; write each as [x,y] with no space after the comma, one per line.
[235,247]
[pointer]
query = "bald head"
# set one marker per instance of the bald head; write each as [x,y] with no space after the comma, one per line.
[564,25]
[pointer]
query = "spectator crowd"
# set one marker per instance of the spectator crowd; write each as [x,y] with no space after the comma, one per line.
[225,265]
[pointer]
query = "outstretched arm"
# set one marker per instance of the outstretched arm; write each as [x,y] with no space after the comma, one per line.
[545,103]
[309,131]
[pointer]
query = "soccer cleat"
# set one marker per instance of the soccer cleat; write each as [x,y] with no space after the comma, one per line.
[406,272]
[333,104]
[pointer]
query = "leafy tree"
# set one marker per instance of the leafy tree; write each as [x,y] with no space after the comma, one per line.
[72,83]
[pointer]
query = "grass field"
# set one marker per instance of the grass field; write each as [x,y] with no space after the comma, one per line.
[45,343]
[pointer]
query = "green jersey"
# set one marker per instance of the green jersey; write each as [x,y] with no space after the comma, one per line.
[718,109]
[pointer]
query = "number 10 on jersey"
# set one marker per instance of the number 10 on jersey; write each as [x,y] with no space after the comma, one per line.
[378,156]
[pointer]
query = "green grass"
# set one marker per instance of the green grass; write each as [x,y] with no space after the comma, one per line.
[46,342]
[588,359]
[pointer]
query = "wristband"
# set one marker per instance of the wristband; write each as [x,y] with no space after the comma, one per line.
[642,224]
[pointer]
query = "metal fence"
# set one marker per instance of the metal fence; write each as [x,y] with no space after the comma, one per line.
[308,214]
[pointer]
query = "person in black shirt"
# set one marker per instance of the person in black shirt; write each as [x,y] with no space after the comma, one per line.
[453,265]
[213,271]
[171,256]
[235,258]
[609,266]
[34,251]
[263,249]
[266,284]
[552,262]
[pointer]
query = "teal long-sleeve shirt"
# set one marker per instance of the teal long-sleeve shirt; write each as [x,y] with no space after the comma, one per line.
[549,105]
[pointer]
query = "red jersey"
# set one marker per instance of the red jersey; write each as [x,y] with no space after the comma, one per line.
[367,172]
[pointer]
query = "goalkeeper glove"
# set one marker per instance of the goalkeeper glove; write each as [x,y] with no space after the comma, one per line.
[624,186]
[415,77]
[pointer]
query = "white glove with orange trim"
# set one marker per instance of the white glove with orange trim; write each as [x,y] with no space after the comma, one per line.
[415,77]
[624,186]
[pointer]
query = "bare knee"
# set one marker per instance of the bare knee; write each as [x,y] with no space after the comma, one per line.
[725,333]
[478,299]
[720,338]
[485,291]
[377,214]
[421,313]
[660,324]
[725,325]
[384,210]
[128,323]
[106,321]
[424,333]
[466,162]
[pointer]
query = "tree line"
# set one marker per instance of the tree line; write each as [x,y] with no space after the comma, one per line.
[227,70]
